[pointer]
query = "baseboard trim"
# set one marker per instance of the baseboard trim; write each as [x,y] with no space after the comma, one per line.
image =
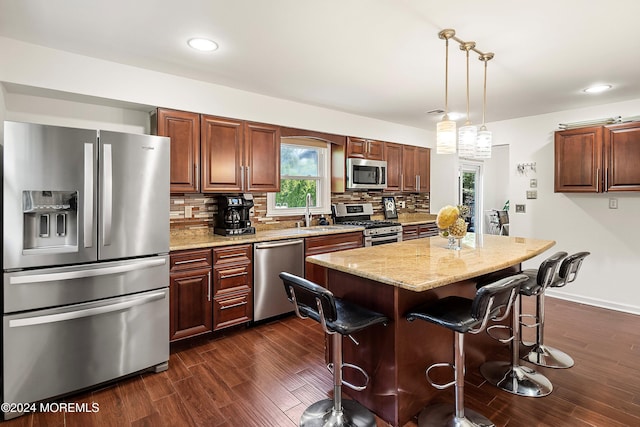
[596,302]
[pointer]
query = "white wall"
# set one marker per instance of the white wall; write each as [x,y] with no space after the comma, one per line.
[577,222]
[496,179]
[35,66]
[2,111]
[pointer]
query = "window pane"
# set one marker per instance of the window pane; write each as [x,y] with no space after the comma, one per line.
[293,193]
[296,160]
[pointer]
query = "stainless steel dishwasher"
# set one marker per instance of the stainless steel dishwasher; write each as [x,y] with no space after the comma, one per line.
[269,259]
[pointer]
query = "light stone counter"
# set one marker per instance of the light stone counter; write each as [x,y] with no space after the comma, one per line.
[200,240]
[422,264]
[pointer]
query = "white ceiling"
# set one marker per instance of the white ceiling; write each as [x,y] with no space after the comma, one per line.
[376,58]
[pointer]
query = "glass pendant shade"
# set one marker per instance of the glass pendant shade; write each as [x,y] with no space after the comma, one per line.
[467,141]
[446,136]
[483,144]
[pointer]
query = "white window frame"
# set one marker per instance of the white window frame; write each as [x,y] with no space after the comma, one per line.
[324,182]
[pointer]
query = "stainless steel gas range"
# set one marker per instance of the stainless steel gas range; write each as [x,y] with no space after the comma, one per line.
[376,232]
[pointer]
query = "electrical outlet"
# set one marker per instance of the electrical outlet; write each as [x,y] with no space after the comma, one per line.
[520,208]
[188,211]
[613,203]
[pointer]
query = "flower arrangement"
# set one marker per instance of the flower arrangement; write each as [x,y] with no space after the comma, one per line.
[450,221]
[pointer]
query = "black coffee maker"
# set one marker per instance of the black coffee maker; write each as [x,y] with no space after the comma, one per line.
[233,216]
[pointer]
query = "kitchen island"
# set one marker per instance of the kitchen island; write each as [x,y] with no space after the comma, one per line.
[393,278]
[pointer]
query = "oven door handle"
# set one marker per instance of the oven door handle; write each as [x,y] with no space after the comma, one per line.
[87,312]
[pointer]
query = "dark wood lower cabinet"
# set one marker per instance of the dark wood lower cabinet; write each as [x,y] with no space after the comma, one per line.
[324,244]
[418,231]
[190,307]
[232,285]
[190,294]
[210,289]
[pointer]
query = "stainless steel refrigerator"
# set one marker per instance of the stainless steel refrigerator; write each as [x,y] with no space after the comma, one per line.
[85,258]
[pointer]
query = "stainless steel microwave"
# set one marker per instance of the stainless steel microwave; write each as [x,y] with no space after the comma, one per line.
[366,174]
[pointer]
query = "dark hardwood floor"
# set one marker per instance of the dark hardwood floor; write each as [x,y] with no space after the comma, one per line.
[268,374]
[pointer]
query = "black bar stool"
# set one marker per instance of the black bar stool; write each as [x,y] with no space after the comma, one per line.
[464,316]
[338,318]
[511,376]
[541,354]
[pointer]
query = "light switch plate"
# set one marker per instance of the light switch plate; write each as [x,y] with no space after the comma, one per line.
[533,183]
[613,203]
[532,194]
[188,211]
[520,208]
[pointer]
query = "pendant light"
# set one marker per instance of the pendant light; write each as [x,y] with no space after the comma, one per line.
[446,129]
[467,134]
[483,141]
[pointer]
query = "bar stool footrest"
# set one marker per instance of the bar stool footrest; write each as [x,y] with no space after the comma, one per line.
[356,368]
[435,384]
[520,380]
[548,357]
[443,415]
[322,414]
[493,328]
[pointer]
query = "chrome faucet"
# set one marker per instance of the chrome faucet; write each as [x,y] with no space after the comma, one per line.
[307,212]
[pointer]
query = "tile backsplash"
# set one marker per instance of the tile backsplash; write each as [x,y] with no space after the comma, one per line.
[203,208]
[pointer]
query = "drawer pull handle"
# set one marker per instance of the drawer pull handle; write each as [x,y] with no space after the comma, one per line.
[232,255]
[226,307]
[228,276]
[189,261]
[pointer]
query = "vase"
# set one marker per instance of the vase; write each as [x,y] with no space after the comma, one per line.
[454,243]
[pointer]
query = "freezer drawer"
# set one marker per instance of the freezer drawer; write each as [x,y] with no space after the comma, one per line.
[50,287]
[56,351]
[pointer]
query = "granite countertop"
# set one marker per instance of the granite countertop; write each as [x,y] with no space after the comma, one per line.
[423,264]
[180,240]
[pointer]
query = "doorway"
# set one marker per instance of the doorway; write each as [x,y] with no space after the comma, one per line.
[470,193]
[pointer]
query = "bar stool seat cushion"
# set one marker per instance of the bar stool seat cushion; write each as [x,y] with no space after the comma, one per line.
[531,286]
[452,312]
[350,318]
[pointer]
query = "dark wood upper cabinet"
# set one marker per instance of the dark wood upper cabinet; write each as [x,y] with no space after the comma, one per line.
[222,154]
[598,159]
[184,130]
[262,157]
[219,155]
[423,169]
[361,148]
[578,160]
[416,169]
[393,156]
[621,157]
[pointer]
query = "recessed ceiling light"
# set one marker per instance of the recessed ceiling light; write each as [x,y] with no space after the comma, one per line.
[597,88]
[204,45]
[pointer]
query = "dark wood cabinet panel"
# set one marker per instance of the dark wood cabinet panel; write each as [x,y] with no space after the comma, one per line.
[184,130]
[233,309]
[393,156]
[598,159]
[622,155]
[190,303]
[325,244]
[409,171]
[410,232]
[419,231]
[262,161]
[423,169]
[232,285]
[190,293]
[222,142]
[365,148]
[578,160]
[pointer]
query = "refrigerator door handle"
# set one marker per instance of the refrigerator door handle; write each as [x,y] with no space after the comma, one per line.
[87,312]
[107,194]
[88,195]
[80,274]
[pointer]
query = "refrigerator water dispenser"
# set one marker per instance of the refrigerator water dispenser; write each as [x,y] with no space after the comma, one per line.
[50,221]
